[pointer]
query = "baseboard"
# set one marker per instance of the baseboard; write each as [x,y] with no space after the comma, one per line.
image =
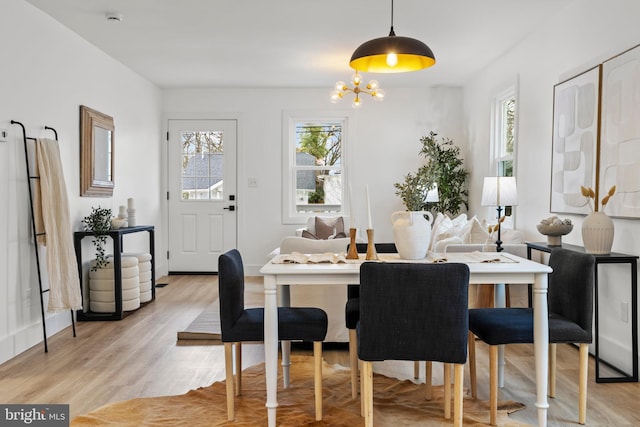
[615,353]
[31,335]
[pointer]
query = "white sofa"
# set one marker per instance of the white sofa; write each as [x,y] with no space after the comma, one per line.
[330,298]
[463,234]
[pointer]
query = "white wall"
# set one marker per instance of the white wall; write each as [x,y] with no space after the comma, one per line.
[47,72]
[583,35]
[386,142]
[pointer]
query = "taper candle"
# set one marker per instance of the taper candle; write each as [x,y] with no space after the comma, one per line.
[352,214]
[369,209]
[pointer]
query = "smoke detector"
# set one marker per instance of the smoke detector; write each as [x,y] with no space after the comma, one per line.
[113,17]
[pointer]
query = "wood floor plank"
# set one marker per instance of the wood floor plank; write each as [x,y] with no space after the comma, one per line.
[140,356]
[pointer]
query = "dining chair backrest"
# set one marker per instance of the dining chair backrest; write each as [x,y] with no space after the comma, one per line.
[571,286]
[411,311]
[353,291]
[381,248]
[230,289]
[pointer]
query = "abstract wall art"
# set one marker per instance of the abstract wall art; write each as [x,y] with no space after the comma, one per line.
[575,141]
[619,160]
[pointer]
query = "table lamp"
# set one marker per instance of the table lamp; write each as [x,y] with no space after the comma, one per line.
[432,194]
[499,191]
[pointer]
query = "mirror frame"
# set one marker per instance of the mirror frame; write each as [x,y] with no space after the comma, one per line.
[90,184]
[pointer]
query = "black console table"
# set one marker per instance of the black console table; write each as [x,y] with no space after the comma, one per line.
[612,258]
[117,237]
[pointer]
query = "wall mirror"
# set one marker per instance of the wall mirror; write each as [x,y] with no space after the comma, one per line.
[96,153]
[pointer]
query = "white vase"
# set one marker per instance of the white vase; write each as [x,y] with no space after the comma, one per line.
[597,233]
[411,233]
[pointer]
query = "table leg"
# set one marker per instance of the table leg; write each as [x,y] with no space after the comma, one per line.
[541,345]
[500,300]
[271,347]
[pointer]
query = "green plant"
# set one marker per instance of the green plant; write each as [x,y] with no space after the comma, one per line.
[413,191]
[99,222]
[317,196]
[445,168]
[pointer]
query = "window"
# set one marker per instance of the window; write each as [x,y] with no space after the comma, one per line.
[202,165]
[314,155]
[505,134]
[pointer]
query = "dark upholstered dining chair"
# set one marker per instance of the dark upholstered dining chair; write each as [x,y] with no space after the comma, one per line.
[570,300]
[413,312]
[240,324]
[352,313]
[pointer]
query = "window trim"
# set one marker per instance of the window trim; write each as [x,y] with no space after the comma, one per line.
[509,90]
[289,119]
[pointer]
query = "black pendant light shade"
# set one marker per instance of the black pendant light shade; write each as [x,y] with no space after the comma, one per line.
[376,56]
[392,54]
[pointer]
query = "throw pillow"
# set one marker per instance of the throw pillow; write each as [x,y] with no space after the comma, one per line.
[434,229]
[329,228]
[477,233]
[308,235]
[451,227]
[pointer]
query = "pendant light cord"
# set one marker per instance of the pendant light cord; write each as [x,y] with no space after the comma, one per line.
[392,33]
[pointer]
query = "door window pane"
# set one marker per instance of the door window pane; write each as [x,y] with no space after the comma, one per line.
[202,165]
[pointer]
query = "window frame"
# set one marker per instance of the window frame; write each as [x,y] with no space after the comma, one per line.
[498,140]
[498,131]
[290,215]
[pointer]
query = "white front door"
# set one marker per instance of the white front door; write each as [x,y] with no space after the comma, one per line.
[202,193]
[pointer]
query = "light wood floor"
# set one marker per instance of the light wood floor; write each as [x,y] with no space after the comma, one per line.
[139,356]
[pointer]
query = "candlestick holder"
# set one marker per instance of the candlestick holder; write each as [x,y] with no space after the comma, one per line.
[371,247]
[353,250]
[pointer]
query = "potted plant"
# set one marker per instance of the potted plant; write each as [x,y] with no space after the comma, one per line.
[446,169]
[99,222]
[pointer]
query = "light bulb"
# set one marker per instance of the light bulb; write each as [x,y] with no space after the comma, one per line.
[373,84]
[378,95]
[392,59]
[340,86]
[336,96]
[356,79]
[357,103]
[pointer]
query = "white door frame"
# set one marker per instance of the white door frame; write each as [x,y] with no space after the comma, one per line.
[162,265]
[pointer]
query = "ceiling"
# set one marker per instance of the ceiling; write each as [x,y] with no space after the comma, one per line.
[296,43]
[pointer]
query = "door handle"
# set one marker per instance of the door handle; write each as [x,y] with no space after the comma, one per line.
[231,208]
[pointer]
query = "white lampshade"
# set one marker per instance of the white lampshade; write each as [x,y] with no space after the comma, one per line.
[499,191]
[432,194]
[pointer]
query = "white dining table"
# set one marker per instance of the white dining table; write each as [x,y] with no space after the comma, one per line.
[511,269]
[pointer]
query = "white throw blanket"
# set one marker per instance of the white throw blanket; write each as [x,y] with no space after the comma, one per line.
[52,210]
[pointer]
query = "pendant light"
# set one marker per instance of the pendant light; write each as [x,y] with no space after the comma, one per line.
[392,54]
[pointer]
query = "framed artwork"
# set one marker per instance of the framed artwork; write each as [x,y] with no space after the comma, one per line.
[575,141]
[619,159]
